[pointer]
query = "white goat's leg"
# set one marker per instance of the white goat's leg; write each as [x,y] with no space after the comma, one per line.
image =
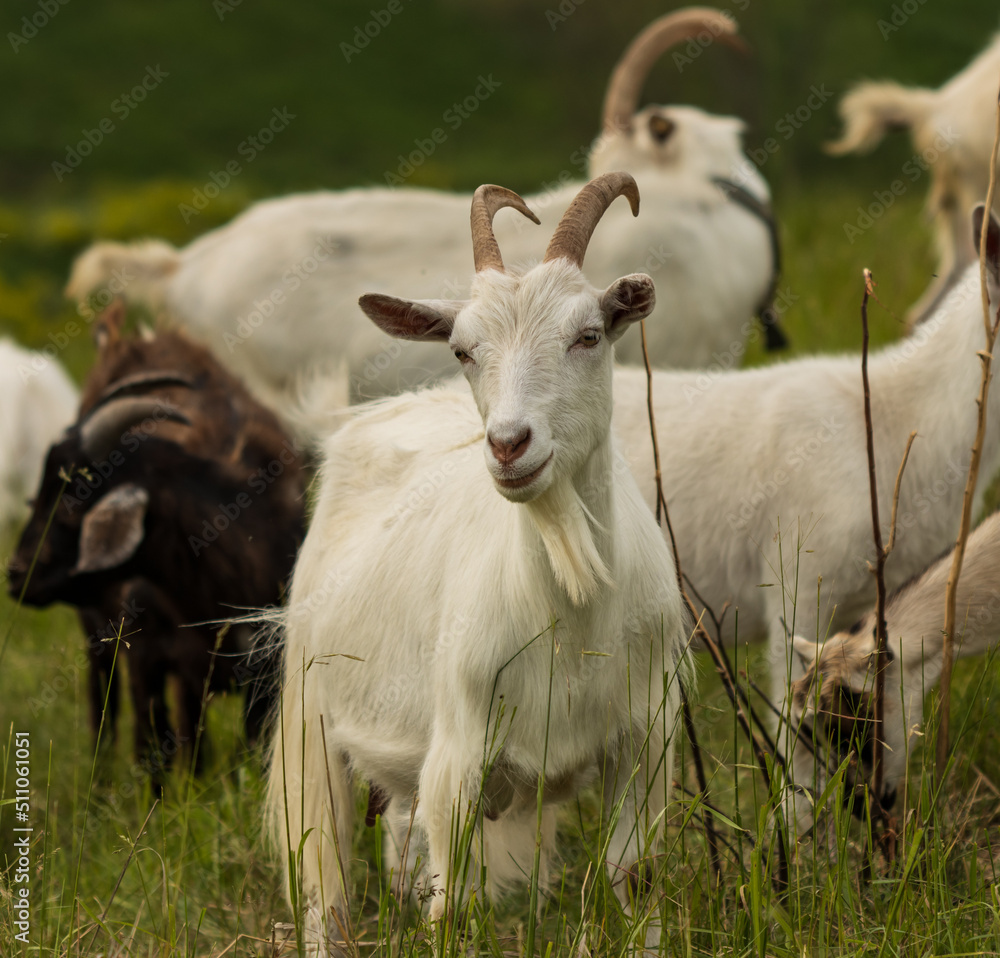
[405,848]
[635,781]
[445,794]
[509,844]
[303,780]
[324,872]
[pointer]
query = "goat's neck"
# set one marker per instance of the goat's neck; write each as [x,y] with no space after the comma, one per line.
[932,377]
[916,612]
[574,519]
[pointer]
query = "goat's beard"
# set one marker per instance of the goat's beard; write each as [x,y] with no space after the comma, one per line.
[567,529]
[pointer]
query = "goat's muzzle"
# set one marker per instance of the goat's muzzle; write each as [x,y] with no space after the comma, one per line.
[507,451]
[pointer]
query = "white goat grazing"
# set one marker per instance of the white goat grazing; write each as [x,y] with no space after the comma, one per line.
[274,292]
[952,130]
[835,694]
[769,488]
[426,610]
[39,403]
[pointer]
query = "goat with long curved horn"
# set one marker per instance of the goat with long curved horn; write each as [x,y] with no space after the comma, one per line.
[631,71]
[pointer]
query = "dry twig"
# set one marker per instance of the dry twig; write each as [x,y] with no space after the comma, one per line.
[721,662]
[986,359]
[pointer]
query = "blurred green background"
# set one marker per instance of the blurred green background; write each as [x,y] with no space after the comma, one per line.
[215,71]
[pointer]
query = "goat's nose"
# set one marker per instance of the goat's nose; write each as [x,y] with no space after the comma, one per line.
[508,449]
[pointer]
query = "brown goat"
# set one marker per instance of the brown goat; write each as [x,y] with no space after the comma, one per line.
[173,503]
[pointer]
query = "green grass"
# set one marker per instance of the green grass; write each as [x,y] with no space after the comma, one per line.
[197,879]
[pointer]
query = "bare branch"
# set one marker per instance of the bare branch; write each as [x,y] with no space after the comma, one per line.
[895,494]
[986,360]
[715,649]
[881,632]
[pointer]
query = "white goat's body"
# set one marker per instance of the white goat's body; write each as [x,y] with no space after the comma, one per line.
[784,447]
[275,291]
[39,402]
[459,630]
[914,623]
[418,704]
[952,129]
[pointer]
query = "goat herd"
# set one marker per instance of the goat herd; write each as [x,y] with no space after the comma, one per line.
[451,633]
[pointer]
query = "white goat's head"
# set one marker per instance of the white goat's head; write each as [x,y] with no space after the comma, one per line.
[666,137]
[535,348]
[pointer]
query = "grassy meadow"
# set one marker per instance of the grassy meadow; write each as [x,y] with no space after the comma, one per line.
[113,872]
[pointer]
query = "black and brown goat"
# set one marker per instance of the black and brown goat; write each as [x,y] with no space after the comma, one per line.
[174,502]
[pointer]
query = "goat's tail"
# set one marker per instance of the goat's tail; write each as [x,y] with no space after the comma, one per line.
[871,109]
[136,272]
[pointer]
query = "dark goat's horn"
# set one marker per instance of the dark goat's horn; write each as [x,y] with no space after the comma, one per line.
[142,382]
[578,223]
[486,202]
[629,76]
[104,426]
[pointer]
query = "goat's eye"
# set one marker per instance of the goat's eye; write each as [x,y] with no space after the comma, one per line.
[588,338]
[661,128]
[462,356]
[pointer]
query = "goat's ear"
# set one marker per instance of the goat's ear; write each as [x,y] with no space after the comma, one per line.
[992,240]
[626,301]
[411,319]
[108,327]
[807,650]
[112,530]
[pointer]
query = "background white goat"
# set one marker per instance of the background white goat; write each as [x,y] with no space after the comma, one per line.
[952,130]
[39,403]
[837,689]
[766,475]
[274,292]
[424,606]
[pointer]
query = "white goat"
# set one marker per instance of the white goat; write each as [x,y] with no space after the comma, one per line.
[426,609]
[768,488]
[274,292]
[39,403]
[952,130]
[835,694]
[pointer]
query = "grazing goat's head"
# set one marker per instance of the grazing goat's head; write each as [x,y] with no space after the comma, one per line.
[835,700]
[167,443]
[535,348]
[88,514]
[680,138]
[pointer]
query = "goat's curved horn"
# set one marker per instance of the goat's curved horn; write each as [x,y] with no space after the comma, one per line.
[103,427]
[578,223]
[486,202]
[629,75]
[141,382]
